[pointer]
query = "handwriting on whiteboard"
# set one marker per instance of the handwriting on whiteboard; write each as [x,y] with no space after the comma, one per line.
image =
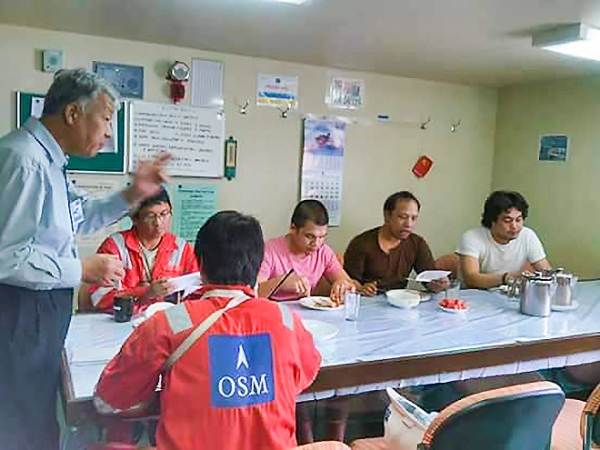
[194,136]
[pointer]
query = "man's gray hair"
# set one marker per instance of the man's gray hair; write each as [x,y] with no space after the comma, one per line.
[78,86]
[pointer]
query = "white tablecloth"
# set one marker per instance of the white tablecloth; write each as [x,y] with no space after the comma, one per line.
[384,332]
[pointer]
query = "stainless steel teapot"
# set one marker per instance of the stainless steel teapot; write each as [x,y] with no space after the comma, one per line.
[537,290]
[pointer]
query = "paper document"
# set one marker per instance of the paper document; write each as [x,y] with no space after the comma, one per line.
[187,283]
[430,275]
[93,354]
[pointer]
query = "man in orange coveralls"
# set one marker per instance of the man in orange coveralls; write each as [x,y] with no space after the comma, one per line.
[232,363]
[150,255]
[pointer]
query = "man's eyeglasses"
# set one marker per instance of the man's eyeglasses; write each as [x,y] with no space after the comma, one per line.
[152,218]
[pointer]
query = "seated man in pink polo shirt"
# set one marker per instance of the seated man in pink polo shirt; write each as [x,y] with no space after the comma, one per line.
[292,267]
[294,263]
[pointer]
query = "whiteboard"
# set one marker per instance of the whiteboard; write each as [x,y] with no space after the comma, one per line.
[194,136]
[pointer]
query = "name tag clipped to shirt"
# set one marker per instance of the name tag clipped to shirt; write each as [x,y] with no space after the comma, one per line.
[77,216]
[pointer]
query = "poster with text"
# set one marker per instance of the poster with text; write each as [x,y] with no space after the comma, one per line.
[193,204]
[97,186]
[347,93]
[274,90]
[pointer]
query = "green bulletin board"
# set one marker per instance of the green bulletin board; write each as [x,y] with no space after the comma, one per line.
[102,162]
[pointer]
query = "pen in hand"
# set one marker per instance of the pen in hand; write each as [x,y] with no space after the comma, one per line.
[287,275]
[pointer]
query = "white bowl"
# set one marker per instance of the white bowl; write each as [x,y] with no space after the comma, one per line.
[403,298]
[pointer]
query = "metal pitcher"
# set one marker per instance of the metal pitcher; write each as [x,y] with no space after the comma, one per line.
[565,286]
[537,291]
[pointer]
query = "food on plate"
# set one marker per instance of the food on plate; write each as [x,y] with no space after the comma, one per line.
[324,302]
[453,303]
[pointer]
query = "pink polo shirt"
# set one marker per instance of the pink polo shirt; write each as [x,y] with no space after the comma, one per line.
[279,260]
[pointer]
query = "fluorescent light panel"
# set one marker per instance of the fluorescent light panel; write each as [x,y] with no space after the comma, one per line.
[295,2]
[579,40]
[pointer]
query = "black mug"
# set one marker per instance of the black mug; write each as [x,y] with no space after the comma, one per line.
[123,308]
[174,298]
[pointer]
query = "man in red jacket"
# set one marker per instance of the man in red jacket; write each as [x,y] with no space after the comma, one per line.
[232,363]
[150,255]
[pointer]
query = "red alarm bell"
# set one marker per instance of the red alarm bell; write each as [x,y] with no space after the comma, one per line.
[422,166]
[178,73]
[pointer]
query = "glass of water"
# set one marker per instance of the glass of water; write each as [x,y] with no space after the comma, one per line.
[352,302]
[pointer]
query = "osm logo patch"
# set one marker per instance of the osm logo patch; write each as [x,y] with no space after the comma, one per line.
[241,370]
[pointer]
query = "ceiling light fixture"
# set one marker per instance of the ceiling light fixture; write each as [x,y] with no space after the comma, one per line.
[580,40]
[295,2]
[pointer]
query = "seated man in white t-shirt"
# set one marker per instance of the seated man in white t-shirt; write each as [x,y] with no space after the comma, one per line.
[492,254]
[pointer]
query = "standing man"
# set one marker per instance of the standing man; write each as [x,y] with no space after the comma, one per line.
[494,253]
[39,267]
[383,258]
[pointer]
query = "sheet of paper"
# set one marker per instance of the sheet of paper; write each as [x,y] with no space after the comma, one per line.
[430,275]
[93,354]
[186,282]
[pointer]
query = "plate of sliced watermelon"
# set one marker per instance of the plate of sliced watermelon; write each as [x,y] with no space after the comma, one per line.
[455,306]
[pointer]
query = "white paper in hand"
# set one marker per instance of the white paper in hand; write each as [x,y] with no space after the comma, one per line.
[431,275]
[187,283]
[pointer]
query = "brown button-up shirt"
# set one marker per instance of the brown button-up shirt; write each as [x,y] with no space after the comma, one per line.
[365,261]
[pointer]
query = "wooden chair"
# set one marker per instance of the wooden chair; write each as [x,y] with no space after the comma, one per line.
[326,445]
[84,300]
[448,262]
[511,418]
[578,425]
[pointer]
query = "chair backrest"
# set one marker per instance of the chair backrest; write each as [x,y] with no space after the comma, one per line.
[448,262]
[84,301]
[590,419]
[512,418]
[324,445]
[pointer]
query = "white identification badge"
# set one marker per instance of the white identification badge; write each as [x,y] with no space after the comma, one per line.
[76,213]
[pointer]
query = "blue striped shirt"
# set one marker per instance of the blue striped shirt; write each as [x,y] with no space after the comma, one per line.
[37,233]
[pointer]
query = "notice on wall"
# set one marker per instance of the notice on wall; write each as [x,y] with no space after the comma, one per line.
[274,90]
[193,204]
[194,136]
[346,93]
[554,148]
[323,165]
[96,186]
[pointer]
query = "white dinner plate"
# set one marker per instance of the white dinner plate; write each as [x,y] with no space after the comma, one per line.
[313,303]
[320,330]
[452,310]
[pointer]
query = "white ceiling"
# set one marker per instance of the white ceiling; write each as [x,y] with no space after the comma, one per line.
[476,42]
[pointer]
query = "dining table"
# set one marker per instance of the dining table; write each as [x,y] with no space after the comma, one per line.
[385,346]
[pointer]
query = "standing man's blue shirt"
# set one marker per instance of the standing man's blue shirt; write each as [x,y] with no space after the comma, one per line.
[37,225]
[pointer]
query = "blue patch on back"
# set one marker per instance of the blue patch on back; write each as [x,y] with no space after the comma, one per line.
[241,370]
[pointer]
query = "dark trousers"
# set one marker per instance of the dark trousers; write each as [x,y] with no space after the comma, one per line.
[33,327]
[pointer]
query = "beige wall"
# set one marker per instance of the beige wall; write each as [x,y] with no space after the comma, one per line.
[379,156]
[563,197]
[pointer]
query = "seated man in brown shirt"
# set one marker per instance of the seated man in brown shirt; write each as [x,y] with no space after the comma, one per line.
[383,258]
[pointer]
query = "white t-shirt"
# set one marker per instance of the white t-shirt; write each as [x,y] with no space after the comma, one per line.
[499,258]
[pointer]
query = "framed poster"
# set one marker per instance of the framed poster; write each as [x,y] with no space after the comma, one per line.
[554,148]
[111,160]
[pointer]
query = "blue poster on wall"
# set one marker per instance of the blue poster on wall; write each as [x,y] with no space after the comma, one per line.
[554,148]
